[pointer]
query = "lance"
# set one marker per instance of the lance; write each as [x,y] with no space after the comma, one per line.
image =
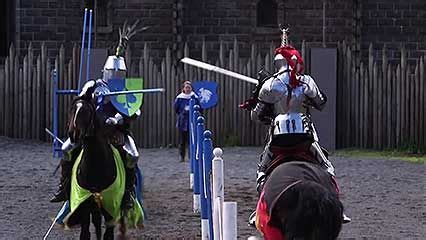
[54,136]
[213,68]
[60,213]
[151,90]
[101,95]
[59,140]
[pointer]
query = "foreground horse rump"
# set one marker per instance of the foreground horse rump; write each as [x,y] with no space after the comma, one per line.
[299,201]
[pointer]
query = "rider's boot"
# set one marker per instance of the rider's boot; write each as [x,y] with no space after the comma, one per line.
[345,218]
[131,155]
[62,194]
[129,192]
[252,219]
[260,180]
[265,159]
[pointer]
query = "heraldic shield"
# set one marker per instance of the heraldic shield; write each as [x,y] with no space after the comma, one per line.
[126,104]
[206,92]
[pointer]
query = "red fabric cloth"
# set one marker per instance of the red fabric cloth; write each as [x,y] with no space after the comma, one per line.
[263,221]
[297,68]
[281,154]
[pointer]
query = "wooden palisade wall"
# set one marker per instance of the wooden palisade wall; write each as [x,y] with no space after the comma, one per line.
[379,105]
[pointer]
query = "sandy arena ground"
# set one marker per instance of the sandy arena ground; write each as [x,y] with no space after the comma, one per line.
[385,198]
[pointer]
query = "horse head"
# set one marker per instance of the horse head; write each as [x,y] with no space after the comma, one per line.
[82,119]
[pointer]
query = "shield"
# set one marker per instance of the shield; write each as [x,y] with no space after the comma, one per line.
[206,92]
[126,104]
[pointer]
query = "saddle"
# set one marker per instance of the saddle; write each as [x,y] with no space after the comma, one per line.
[288,154]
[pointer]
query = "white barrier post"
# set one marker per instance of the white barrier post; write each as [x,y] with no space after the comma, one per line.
[218,193]
[229,221]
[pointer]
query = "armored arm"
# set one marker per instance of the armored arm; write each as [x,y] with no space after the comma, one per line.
[263,112]
[250,103]
[315,97]
[119,119]
[271,92]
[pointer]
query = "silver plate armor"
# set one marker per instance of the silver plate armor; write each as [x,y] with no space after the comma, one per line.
[132,150]
[277,91]
[291,123]
[114,68]
[289,110]
[67,147]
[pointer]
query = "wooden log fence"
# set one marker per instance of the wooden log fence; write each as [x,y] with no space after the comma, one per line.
[379,105]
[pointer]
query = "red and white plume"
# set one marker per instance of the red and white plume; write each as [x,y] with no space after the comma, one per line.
[292,56]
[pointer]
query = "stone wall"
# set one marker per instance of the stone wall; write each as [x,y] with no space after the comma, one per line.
[394,23]
[359,22]
[57,22]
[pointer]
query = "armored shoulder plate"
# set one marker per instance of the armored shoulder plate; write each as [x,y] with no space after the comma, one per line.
[274,89]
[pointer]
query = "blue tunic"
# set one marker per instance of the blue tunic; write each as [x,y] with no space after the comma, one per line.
[181,106]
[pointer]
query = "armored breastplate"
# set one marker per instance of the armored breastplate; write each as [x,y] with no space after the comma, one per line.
[286,99]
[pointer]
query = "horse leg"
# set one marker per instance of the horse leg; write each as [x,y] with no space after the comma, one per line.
[122,228]
[97,221]
[109,231]
[85,222]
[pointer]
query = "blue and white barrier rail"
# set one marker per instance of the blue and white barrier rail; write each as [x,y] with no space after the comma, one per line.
[218,218]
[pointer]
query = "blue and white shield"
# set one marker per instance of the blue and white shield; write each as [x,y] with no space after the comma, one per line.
[206,92]
[126,104]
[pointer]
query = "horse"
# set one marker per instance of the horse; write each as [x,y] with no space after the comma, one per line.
[299,200]
[96,169]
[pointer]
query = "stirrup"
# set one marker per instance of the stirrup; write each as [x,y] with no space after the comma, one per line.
[127,203]
[346,219]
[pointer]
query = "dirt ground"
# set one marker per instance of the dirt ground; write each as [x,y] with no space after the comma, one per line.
[385,198]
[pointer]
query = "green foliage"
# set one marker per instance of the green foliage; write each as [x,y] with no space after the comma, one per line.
[405,154]
[411,147]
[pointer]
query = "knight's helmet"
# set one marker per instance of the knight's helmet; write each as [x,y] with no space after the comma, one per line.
[288,58]
[115,66]
[279,61]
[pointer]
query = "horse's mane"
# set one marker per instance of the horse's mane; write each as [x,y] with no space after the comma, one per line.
[308,211]
[71,112]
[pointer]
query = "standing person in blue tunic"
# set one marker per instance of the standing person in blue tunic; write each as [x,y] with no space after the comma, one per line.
[181,106]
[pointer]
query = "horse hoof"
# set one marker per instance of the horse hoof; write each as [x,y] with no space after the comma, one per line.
[121,237]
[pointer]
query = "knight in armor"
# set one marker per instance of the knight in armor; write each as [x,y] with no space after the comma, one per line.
[283,101]
[117,124]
